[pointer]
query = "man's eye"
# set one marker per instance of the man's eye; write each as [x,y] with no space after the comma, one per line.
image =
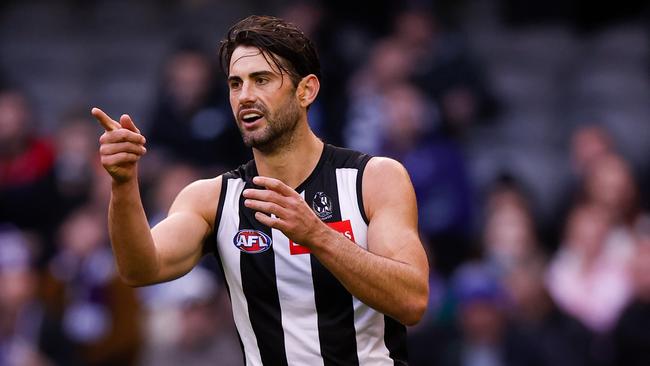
[261,81]
[234,85]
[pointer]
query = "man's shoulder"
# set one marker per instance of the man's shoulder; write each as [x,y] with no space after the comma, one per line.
[200,189]
[385,165]
[385,182]
[341,157]
[200,197]
[370,165]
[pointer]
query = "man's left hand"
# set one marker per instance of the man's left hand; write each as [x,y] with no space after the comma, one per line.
[281,207]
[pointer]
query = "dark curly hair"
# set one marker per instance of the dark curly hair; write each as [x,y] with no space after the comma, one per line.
[280,42]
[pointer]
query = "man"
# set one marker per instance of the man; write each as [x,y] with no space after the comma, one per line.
[318,244]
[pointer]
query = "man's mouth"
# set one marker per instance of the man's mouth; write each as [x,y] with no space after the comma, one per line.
[248,116]
[251,117]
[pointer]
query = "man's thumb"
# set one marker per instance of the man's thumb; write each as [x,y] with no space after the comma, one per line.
[127,122]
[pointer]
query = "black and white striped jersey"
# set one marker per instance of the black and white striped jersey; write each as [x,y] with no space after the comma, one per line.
[288,308]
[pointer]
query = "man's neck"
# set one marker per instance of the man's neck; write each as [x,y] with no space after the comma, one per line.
[291,164]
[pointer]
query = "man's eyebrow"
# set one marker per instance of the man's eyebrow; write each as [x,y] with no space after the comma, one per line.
[253,75]
[234,78]
[261,73]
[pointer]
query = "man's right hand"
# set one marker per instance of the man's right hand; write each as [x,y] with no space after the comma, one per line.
[121,146]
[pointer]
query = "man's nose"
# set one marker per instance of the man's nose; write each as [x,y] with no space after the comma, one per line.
[246,95]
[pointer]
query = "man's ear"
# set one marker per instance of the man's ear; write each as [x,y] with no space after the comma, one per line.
[307,90]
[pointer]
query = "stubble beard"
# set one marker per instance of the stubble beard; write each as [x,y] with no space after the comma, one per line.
[279,130]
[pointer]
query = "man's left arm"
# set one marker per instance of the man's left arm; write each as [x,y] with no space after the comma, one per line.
[392,275]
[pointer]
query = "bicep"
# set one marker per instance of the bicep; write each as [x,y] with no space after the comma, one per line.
[391,209]
[179,241]
[179,238]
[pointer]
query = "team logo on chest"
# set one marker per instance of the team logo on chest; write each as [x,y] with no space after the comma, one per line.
[322,205]
[252,241]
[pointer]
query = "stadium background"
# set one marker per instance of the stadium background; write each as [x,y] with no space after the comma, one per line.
[524,126]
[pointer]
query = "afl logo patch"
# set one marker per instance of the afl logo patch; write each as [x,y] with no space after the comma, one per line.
[322,205]
[252,241]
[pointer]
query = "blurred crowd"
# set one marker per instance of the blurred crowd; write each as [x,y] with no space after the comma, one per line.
[508,286]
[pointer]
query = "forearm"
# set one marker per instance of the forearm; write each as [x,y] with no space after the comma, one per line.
[130,235]
[397,289]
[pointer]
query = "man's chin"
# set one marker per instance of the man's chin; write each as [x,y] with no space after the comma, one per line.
[266,145]
[255,142]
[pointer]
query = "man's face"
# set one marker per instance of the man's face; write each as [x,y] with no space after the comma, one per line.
[263,100]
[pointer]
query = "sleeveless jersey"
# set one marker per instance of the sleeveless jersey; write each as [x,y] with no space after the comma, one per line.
[288,308]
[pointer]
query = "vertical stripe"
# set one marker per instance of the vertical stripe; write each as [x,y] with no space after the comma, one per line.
[368,322]
[223,275]
[225,178]
[346,179]
[261,291]
[334,305]
[296,290]
[230,262]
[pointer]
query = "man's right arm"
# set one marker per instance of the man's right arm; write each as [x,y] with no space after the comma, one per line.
[174,246]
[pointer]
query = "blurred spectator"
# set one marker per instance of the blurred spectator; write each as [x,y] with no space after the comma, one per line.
[631,335]
[26,166]
[588,143]
[167,186]
[486,336]
[587,277]
[388,65]
[610,185]
[445,70]
[189,323]
[509,232]
[76,160]
[28,335]
[191,119]
[480,317]
[556,338]
[100,315]
[408,119]
[418,50]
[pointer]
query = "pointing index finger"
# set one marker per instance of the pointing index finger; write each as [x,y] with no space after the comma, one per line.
[107,122]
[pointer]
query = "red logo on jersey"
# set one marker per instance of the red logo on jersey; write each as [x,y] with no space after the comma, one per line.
[295,248]
[343,227]
[252,241]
